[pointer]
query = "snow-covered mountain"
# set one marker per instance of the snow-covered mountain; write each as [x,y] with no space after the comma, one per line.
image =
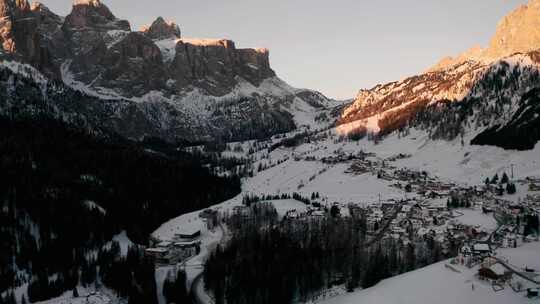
[185,89]
[492,92]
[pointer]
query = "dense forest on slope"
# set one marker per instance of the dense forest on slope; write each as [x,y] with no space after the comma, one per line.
[523,130]
[289,261]
[25,92]
[64,193]
[504,106]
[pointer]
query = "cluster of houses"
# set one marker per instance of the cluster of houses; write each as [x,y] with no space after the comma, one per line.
[310,212]
[183,246]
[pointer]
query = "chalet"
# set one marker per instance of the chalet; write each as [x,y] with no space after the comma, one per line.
[406,209]
[509,240]
[185,250]
[292,214]
[159,255]
[477,205]
[188,234]
[242,211]
[481,249]
[416,224]
[399,230]
[318,213]
[377,214]
[495,272]
[401,216]
[165,245]
[465,255]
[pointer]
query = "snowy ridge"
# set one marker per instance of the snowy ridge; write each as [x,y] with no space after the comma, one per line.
[459,82]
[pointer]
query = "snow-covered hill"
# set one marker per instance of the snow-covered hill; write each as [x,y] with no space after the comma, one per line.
[490,92]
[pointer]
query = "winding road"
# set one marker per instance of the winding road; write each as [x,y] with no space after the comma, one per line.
[197,291]
[513,271]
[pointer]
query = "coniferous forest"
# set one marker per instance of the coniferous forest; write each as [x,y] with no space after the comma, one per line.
[65,193]
[272,261]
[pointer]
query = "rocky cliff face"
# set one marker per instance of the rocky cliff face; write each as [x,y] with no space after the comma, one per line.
[161,29]
[455,86]
[101,51]
[175,88]
[519,32]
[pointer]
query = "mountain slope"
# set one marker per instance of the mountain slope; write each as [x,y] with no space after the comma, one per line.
[183,89]
[479,92]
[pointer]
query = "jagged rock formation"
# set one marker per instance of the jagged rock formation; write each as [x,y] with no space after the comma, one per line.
[101,51]
[519,32]
[194,89]
[161,29]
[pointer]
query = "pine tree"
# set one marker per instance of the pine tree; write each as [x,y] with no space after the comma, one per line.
[511,188]
[505,179]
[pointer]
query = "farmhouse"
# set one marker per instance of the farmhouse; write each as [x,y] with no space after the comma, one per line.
[187,234]
[481,249]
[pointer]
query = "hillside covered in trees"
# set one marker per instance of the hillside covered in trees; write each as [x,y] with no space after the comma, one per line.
[65,193]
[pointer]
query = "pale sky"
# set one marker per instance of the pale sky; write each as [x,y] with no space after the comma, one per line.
[334,46]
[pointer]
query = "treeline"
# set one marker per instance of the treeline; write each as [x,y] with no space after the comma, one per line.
[174,288]
[130,276]
[65,193]
[249,199]
[267,261]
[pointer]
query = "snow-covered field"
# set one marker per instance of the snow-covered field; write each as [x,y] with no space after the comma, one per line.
[448,161]
[433,284]
[86,296]
[477,218]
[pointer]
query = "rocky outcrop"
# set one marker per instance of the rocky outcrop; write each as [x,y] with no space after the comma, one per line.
[134,65]
[31,34]
[519,32]
[213,65]
[161,29]
[93,47]
[152,82]
[18,29]
[93,15]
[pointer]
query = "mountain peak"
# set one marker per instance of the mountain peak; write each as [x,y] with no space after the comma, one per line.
[10,7]
[519,32]
[94,3]
[94,14]
[161,29]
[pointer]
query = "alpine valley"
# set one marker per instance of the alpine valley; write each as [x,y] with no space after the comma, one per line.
[140,166]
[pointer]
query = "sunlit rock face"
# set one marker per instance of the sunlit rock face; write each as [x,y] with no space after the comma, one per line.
[519,32]
[93,15]
[156,82]
[18,28]
[31,33]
